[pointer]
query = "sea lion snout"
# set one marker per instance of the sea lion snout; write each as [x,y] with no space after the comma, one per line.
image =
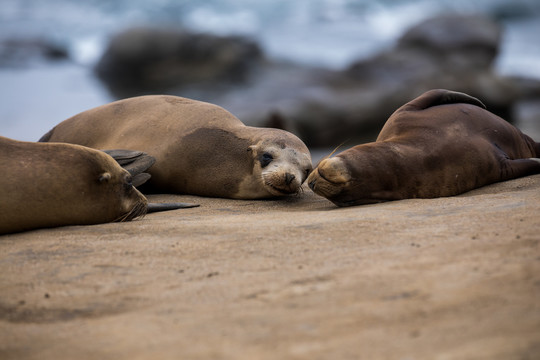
[330,177]
[289,178]
[282,183]
[334,170]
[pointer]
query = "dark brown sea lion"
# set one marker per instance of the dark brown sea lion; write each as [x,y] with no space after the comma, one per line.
[442,143]
[200,148]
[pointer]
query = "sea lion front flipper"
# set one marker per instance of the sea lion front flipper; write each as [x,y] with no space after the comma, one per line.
[441,97]
[124,157]
[135,162]
[155,207]
[139,179]
[513,169]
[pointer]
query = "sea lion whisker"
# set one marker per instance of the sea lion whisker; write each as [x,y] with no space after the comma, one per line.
[282,191]
[137,212]
[333,152]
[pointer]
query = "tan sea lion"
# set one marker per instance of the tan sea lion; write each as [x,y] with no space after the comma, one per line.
[200,148]
[442,143]
[48,185]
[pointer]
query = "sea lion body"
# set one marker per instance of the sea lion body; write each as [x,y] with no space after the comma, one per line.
[442,143]
[48,185]
[200,148]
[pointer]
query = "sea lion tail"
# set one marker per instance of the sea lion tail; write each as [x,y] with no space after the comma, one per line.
[441,97]
[135,162]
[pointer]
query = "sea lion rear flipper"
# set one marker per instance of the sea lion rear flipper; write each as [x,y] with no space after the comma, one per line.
[135,162]
[155,207]
[515,168]
[441,97]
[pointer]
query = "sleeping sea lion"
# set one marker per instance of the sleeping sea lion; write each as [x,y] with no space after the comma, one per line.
[442,143]
[48,185]
[200,148]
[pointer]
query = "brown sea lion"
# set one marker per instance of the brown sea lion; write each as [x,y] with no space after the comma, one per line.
[442,143]
[48,185]
[200,148]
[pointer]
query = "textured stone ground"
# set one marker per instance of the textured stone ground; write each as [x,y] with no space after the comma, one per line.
[448,278]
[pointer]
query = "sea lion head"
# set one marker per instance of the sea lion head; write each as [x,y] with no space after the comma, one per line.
[113,196]
[281,163]
[354,177]
[99,189]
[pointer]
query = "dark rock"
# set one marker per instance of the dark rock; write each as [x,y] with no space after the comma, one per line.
[457,40]
[145,59]
[438,48]
[528,89]
[452,52]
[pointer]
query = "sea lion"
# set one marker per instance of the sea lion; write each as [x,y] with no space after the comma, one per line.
[200,148]
[48,185]
[442,143]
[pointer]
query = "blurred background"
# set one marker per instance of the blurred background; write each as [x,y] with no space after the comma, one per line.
[328,70]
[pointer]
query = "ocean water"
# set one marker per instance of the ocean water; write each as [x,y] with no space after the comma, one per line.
[327,33]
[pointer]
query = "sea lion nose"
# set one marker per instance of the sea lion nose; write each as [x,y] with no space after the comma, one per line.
[289,178]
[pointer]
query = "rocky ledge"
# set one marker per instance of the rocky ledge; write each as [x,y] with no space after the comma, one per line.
[297,278]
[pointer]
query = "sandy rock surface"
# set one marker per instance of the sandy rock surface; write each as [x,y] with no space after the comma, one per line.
[448,278]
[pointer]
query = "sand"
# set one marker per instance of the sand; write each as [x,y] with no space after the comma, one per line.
[297,278]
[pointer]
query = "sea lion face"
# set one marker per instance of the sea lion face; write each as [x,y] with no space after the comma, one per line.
[130,203]
[279,169]
[348,181]
[101,190]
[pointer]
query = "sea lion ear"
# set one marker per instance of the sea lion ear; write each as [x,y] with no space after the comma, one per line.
[104,177]
[252,149]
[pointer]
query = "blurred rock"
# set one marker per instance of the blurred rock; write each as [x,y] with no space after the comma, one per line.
[23,52]
[324,107]
[454,52]
[144,60]
[457,40]
[528,89]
